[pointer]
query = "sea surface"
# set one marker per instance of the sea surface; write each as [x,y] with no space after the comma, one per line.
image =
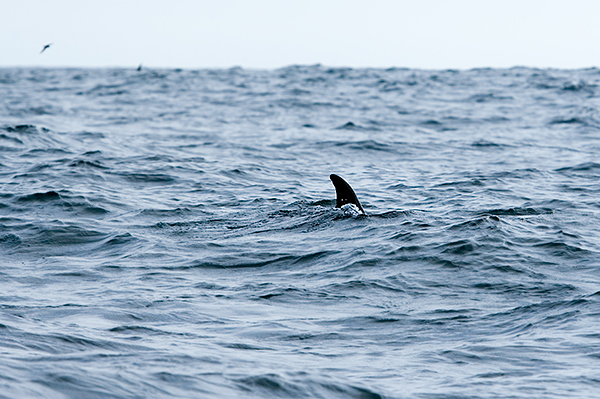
[173,233]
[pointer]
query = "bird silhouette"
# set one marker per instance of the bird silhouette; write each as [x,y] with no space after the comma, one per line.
[45,47]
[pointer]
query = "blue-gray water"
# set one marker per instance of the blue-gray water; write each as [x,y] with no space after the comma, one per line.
[172,233]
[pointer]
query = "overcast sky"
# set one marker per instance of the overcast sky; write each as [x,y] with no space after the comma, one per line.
[434,34]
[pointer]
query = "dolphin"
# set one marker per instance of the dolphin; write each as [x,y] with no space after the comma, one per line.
[345,194]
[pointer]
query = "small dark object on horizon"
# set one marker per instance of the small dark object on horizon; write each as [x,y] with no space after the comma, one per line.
[46,47]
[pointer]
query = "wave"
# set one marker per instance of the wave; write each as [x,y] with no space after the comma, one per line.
[362,145]
[266,385]
[40,197]
[259,260]
[584,167]
[355,127]
[517,211]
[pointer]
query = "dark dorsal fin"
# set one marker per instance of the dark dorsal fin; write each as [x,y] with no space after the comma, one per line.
[345,194]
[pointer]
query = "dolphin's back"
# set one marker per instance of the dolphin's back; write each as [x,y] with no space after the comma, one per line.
[345,193]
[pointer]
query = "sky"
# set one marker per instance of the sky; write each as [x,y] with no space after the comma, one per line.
[266,34]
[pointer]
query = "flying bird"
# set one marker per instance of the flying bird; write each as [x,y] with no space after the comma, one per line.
[45,47]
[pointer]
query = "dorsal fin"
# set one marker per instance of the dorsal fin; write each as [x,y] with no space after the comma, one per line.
[345,193]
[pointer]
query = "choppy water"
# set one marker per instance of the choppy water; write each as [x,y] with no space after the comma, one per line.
[172,233]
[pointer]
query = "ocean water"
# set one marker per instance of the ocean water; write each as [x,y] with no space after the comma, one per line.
[173,233]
